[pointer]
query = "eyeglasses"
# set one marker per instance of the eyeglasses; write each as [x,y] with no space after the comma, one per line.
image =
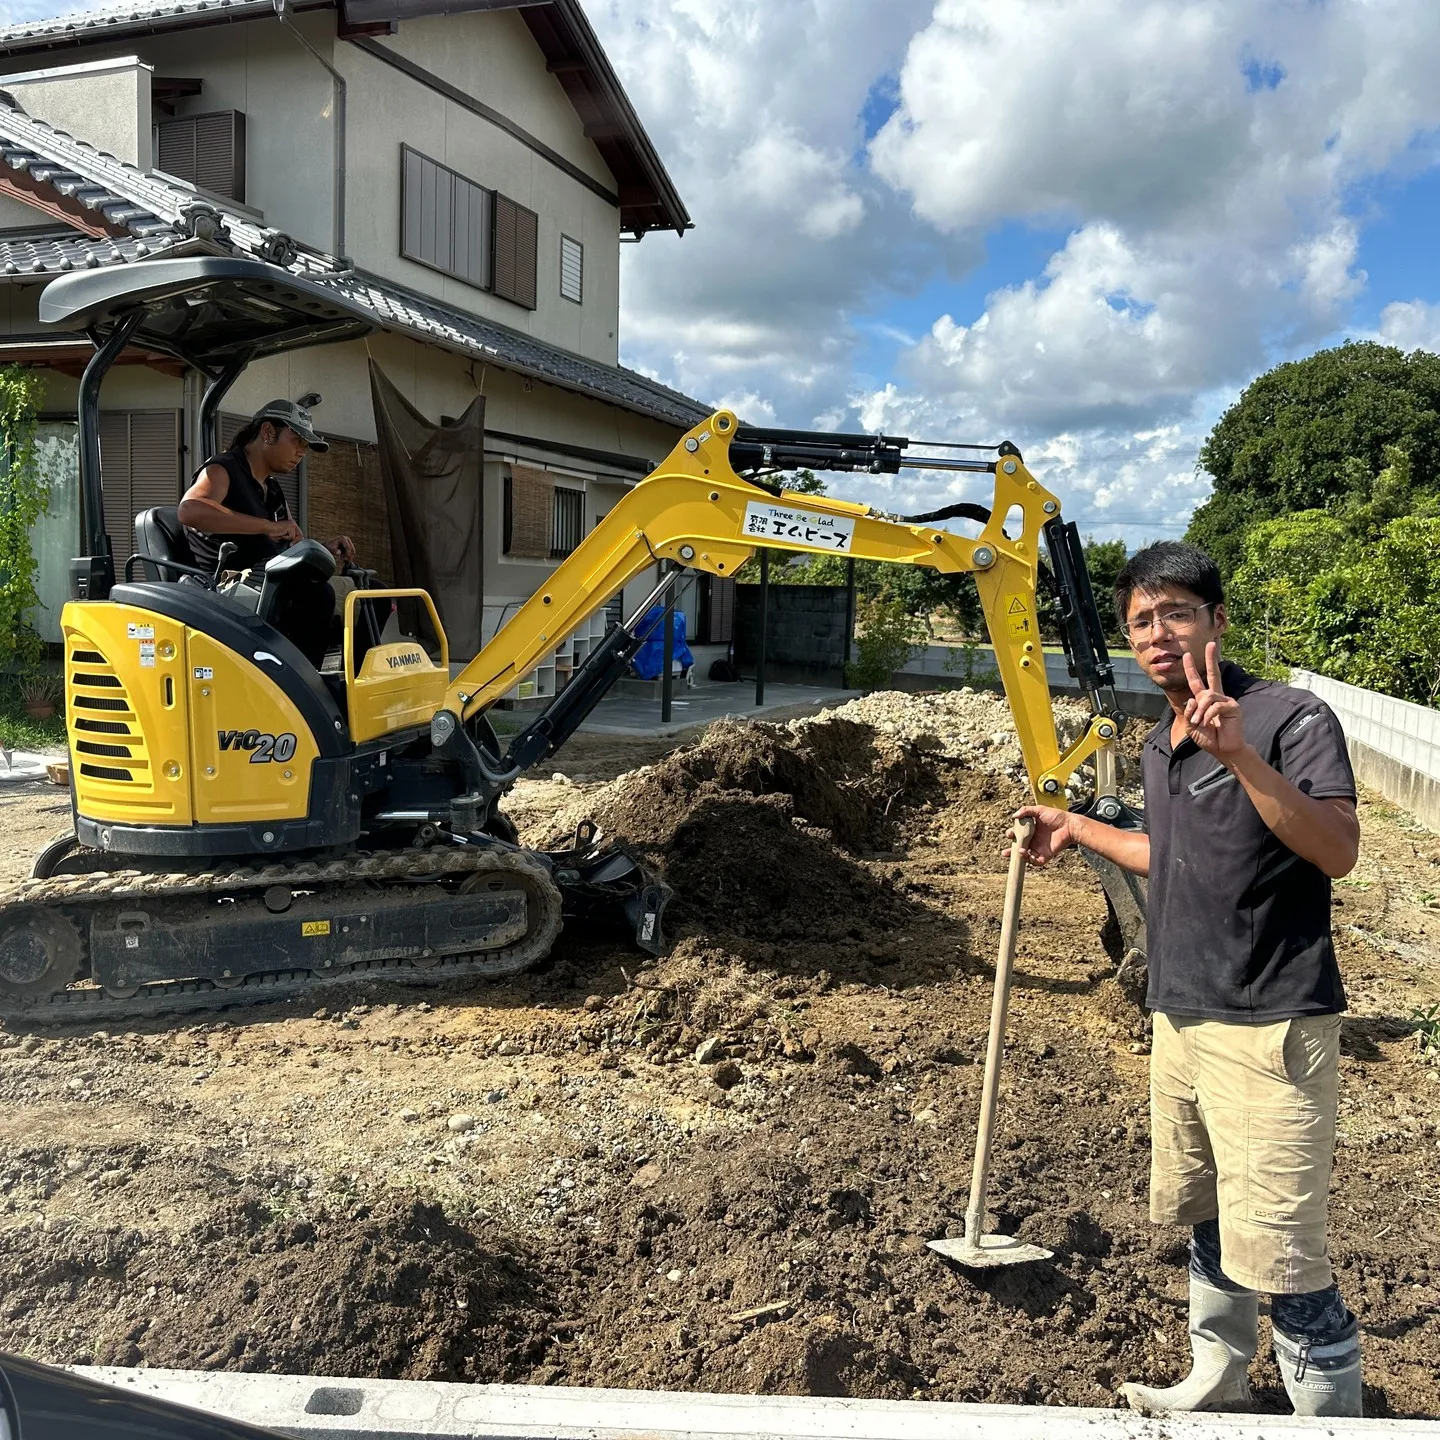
[1177,619]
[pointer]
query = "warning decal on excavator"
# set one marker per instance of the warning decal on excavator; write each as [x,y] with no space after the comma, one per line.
[1017,617]
[800,527]
[314,927]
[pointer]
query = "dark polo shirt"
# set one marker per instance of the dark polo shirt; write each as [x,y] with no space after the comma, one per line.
[1238,924]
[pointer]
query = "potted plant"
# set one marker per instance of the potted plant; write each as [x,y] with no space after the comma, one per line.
[39,691]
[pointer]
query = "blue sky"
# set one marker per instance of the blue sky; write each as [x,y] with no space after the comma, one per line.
[1081,224]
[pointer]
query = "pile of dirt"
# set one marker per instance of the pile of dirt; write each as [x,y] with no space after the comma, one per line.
[759,828]
[393,1287]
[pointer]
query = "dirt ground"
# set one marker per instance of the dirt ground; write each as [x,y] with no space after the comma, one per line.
[543,1182]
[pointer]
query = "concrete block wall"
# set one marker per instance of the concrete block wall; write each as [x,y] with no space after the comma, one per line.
[1394,744]
[947,666]
[805,633]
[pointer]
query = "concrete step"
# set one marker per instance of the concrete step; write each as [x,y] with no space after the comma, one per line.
[381,1409]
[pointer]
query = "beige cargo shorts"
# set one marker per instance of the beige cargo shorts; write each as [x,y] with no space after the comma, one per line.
[1242,1124]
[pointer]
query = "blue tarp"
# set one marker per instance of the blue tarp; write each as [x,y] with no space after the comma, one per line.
[650,658]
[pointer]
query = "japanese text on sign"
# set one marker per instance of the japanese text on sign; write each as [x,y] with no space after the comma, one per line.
[799,527]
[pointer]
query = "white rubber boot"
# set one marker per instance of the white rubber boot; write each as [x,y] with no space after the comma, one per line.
[1321,1379]
[1224,1330]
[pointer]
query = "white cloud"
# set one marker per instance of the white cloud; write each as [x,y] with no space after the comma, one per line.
[756,109]
[1199,151]
[1410,324]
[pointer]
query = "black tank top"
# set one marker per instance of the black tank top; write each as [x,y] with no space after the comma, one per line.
[246,497]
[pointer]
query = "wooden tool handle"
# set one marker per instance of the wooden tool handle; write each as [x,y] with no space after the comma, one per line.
[995,1048]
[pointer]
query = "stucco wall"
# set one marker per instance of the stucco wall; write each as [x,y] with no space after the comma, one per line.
[17,215]
[106,103]
[258,68]
[493,58]
[287,100]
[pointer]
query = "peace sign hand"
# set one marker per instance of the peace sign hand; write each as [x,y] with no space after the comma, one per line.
[1211,716]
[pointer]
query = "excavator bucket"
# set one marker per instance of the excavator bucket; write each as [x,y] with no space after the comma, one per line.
[599,881]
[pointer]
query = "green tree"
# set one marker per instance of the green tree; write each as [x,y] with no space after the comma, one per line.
[24,493]
[1311,434]
[1390,588]
[1274,594]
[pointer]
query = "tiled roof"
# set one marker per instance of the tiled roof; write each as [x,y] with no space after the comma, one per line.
[82,25]
[398,309]
[47,254]
[648,197]
[149,215]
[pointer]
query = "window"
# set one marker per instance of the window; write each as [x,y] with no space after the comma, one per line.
[516,232]
[568,522]
[139,468]
[447,222]
[541,520]
[462,229]
[207,151]
[572,269]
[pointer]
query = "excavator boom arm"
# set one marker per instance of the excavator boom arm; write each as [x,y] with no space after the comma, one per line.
[696,511]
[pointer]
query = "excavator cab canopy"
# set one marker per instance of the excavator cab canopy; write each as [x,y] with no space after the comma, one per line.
[214,313]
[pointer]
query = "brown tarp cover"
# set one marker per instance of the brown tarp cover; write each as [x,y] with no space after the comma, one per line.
[432,476]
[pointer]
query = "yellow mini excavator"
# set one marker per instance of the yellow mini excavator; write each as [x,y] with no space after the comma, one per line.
[247,827]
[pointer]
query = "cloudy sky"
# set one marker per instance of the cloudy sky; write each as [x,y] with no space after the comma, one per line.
[1082,225]
[1079,224]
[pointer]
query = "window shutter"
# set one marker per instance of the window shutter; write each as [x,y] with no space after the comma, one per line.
[229,427]
[115,479]
[527,235]
[206,150]
[572,269]
[532,512]
[177,148]
[139,468]
[220,153]
[447,221]
[516,234]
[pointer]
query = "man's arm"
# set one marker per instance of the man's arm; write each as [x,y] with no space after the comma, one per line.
[203,509]
[1323,830]
[1057,830]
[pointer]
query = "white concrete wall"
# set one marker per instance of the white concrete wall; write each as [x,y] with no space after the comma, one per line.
[1394,745]
[1394,728]
[105,102]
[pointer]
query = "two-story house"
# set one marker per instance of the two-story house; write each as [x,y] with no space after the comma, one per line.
[463,174]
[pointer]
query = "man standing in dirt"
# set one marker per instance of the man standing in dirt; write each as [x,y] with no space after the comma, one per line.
[1250,814]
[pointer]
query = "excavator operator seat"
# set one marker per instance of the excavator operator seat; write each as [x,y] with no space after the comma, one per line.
[159,533]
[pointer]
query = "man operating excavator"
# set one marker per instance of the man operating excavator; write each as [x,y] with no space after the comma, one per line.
[1250,814]
[237,498]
